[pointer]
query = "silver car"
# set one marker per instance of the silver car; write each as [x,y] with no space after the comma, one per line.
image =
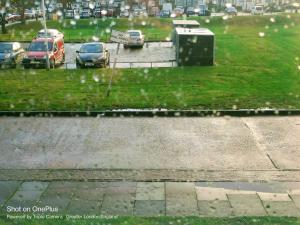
[136,39]
[11,54]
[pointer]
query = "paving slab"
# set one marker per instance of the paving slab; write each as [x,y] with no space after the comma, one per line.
[215,208]
[150,191]
[80,207]
[281,208]
[7,188]
[278,137]
[59,192]
[26,196]
[61,202]
[181,199]
[296,199]
[130,143]
[121,205]
[93,194]
[149,208]
[33,186]
[121,188]
[211,194]
[246,205]
[274,197]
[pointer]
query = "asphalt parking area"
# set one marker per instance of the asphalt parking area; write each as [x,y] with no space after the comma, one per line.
[153,54]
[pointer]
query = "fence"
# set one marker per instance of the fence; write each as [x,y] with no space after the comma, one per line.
[72,65]
[161,64]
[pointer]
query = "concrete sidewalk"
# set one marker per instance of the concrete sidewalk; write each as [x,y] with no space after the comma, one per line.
[261,148]
[154,198]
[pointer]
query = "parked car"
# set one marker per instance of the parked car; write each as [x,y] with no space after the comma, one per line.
[29,14]
[125,13]
[110,12]
[85,13]
[177,12]
[11,54]
[190,11]
[232,11]
[165,13]
[136,39]
[257,10]
[69,14]
[203,10]
[97,13]
[10,18]
[51,33]
[36,53]
[92,54]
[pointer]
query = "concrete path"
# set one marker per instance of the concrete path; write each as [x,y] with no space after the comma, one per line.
[151,198]
[265,148]
[265,145]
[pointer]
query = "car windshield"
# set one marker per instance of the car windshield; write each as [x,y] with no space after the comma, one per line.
[5,48]
[134,34]
[91,48]
[49,34]
[40,46]
[259,8]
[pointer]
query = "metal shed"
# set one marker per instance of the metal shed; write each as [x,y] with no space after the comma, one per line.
[185,24]
[195,47]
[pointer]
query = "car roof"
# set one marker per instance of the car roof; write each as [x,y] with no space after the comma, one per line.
[134,31]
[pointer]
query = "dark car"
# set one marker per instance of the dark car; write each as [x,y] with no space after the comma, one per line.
[86,13]
[11,54]
[231,11]
[165,13]
[69,14]
[92,54]
[190,11]
[97,13]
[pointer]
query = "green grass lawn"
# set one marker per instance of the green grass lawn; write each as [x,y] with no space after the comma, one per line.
[161,221]
[250,72]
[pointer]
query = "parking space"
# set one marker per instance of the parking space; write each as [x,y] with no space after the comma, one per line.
[153,54]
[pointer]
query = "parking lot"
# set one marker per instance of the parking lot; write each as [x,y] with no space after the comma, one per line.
[153,54]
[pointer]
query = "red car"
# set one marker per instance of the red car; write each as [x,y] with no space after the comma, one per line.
[36,54]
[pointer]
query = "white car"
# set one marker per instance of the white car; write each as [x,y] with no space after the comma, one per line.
[136,39]
[257,10]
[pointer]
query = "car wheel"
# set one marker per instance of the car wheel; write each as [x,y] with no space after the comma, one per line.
[125,46]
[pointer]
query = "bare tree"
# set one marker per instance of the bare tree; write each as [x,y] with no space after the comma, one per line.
[3,16]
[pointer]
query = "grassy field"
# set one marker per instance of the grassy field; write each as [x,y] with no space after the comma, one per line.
[162,221]
[251,71]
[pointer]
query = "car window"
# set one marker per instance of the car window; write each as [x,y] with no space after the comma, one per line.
[134,34]
[92,48]
[40,46]
[5,48]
